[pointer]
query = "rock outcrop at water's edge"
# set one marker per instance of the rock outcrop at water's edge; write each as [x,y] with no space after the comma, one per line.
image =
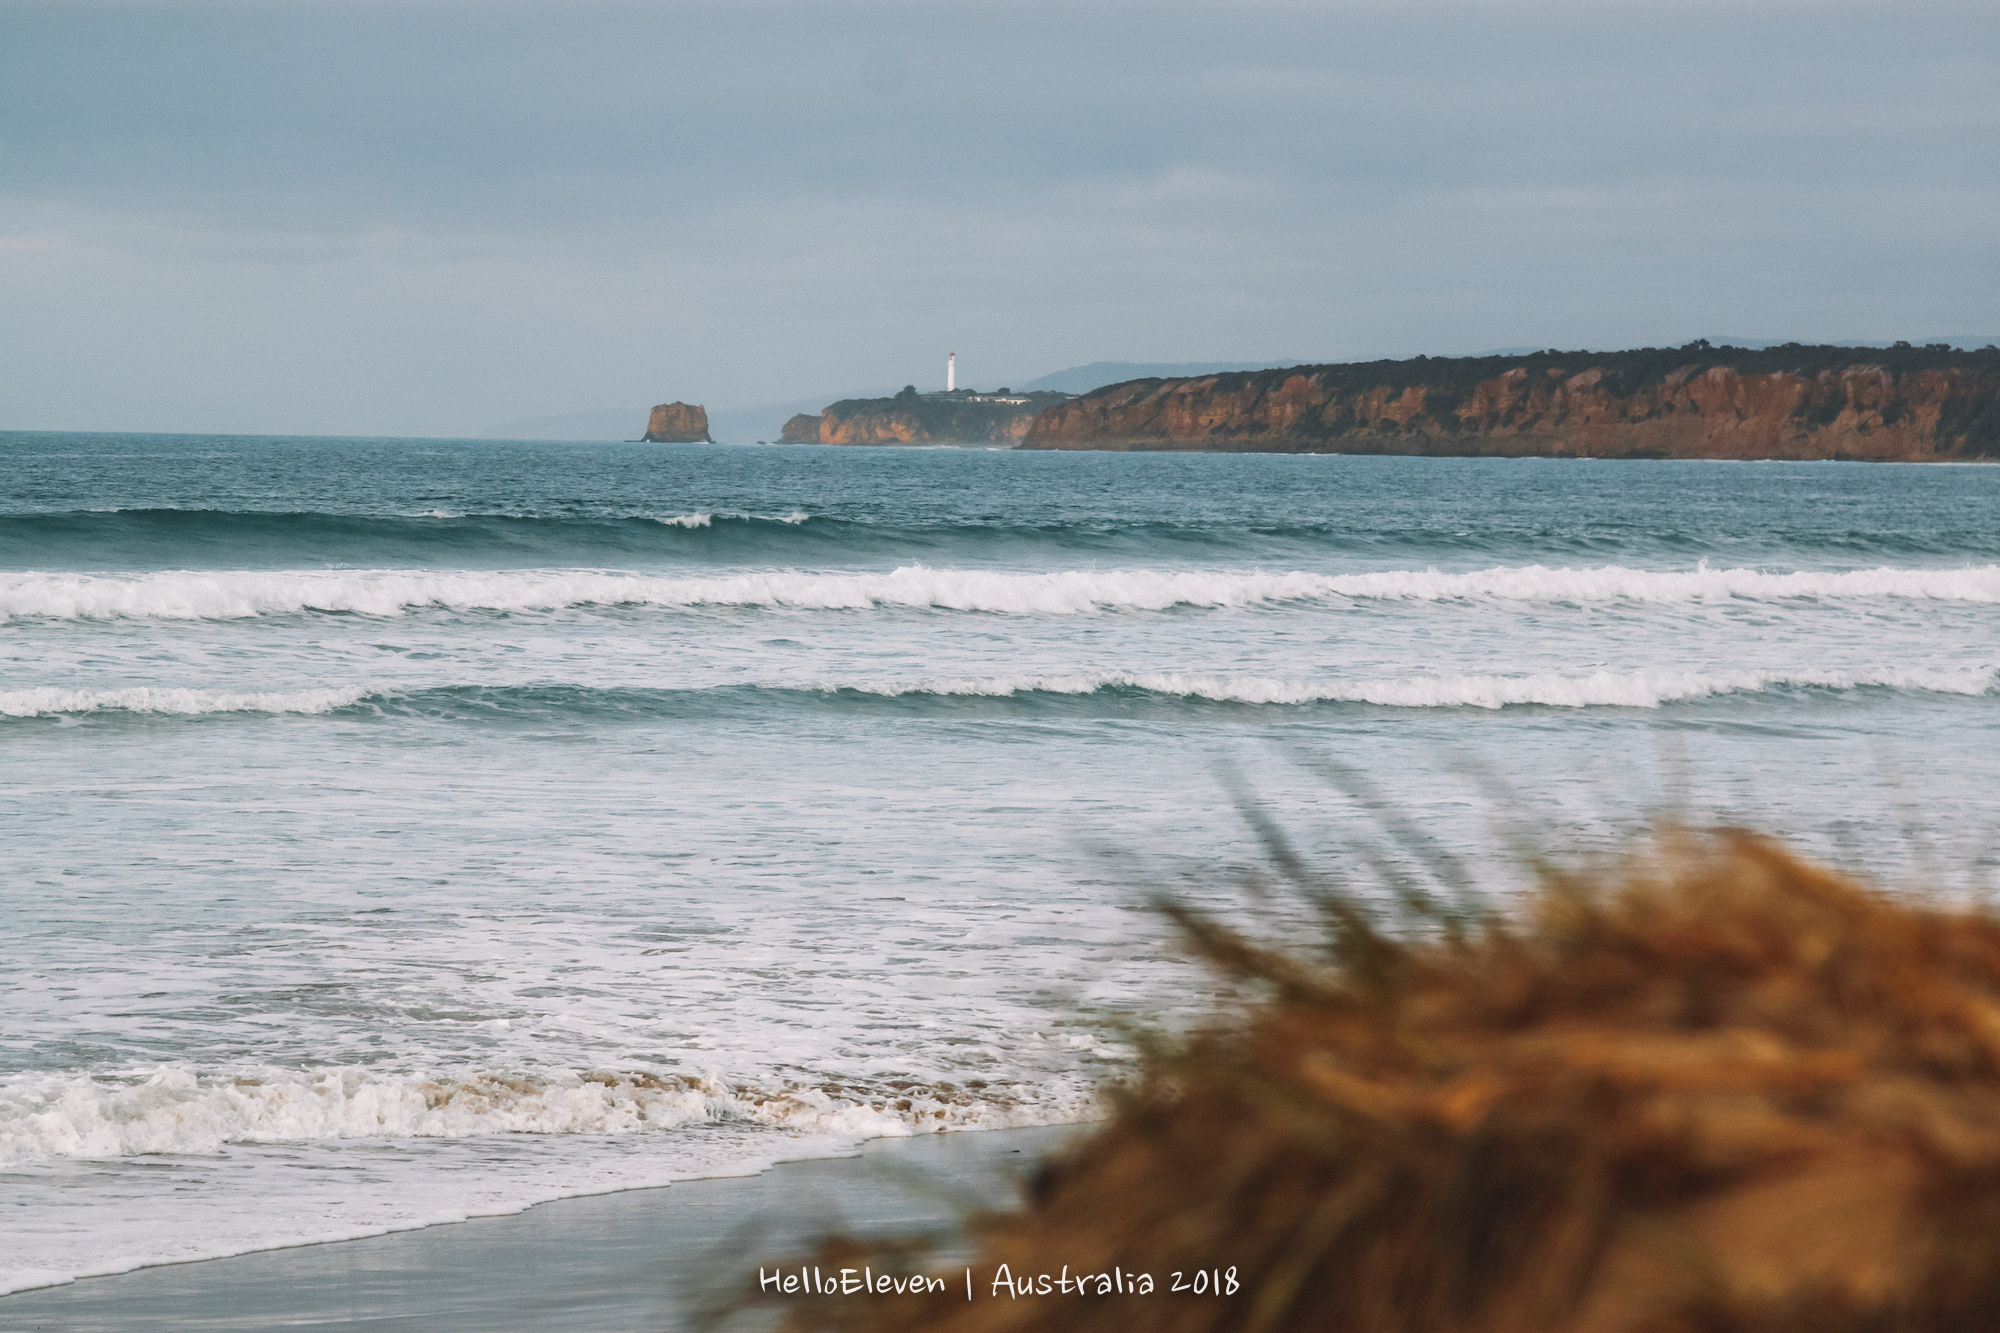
[1902,404]
[961,417]
[678,423]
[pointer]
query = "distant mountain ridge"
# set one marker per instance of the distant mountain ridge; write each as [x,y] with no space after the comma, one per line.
[1097,374]
[604,423]
[1963,342]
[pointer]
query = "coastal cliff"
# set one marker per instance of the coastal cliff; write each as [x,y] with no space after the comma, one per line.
[678,423]
[1900,404]
[910,417]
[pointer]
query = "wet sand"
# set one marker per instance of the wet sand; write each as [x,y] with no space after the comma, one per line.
[612,1263]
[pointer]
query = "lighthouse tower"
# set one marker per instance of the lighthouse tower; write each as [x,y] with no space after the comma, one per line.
[951,373]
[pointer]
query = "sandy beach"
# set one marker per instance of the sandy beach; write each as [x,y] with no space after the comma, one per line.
[613,1263]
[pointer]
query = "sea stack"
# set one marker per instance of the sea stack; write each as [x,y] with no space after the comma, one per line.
[678,423]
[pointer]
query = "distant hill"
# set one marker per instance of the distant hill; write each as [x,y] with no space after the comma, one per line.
[1082,379]
[1964,342]
[765,421]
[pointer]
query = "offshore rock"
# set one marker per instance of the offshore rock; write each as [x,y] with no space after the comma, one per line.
[962,417]
[678,423]
[1900,404]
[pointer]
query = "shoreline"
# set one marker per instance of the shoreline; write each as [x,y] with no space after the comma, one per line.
[649,1257]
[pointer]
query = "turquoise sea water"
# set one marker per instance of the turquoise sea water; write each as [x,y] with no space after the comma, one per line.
[402,829]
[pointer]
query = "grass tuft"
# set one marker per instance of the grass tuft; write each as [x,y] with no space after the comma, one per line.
[1713,1088]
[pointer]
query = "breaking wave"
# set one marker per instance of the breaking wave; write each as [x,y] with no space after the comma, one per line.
[1594,689]
[1598,689]
[706,520]
[226,594]
[173,1109]
[49,701]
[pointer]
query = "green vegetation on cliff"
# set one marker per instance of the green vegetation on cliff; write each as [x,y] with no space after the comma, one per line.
[963,417]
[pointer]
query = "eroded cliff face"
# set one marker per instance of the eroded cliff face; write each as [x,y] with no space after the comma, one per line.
[961,418]
[1902,405]
[678,423]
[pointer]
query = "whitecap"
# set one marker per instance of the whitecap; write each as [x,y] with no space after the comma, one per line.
[50,701]
[175,1109]
[1597,689]
[223,594]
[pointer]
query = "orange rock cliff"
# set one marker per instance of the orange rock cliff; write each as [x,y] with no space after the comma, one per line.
[678,423]
[1901,404]
[962,417]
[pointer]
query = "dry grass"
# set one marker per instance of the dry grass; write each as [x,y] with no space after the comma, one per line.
[1720,1089]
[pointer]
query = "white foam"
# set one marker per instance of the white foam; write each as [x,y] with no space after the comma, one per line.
[703,520]
[1639,689]
[49,701]
[223,594]
[173,1109]
[1615,583]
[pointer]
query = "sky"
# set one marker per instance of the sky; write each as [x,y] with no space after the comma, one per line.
[345,217]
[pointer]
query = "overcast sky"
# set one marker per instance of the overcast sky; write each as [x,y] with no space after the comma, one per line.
[421,218]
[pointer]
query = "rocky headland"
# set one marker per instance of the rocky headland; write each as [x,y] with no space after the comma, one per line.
[678,423]
[1900,404]
[963,417]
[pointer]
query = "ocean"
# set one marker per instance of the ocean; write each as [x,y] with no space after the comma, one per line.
[397,831]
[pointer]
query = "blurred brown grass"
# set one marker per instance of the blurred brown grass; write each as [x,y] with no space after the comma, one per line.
[1714,1087]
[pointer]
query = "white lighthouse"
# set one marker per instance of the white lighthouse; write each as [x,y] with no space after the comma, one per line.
[951,373]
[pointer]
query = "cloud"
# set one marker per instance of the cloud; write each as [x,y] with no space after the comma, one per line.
[389,218]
